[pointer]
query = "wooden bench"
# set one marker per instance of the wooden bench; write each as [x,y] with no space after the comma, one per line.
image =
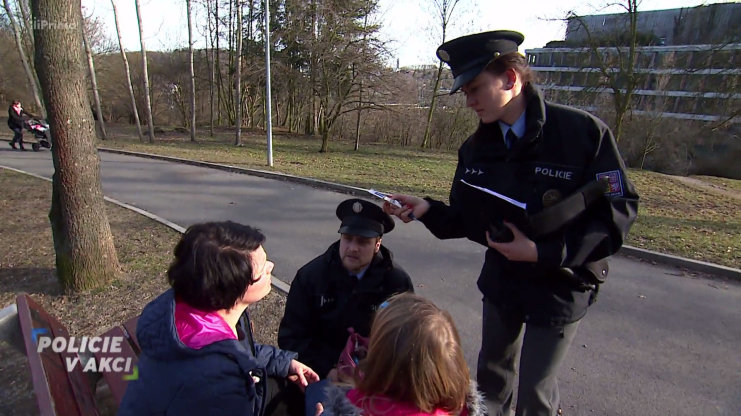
[59,391]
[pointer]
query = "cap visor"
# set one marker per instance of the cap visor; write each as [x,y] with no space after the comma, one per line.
[362,232]
[467,77]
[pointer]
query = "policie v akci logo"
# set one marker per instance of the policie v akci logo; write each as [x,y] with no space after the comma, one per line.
[88,345]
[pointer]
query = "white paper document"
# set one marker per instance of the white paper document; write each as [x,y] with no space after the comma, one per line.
[498,195]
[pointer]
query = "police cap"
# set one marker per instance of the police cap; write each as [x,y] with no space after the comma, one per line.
[467,56]
[363,218]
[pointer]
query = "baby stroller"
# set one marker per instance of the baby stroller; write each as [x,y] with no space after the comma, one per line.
[40,130]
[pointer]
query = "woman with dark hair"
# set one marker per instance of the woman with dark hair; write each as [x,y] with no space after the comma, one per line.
[198,356]
[547,254]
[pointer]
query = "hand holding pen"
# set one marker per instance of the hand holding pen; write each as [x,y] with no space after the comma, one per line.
[407,208]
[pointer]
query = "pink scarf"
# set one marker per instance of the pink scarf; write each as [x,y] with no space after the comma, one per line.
[197,328]
[383,406]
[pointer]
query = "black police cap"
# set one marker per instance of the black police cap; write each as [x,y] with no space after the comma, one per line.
[467,56]
[363,218]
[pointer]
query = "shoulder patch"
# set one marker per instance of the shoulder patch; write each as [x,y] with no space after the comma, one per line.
[614,179]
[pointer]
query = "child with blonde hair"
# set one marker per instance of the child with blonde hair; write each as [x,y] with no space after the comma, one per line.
[415,366]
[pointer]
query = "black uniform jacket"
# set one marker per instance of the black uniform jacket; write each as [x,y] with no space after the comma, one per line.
[324,301]
[563,149]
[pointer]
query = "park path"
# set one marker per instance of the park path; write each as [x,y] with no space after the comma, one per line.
[713,188]
[659,341]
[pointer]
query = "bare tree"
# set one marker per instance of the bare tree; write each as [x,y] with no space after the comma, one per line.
[85,254]
[217,59]
[444,10]
[134,110]
[145,75]
[192,76]
[360,89]
[617,68]
[212,72]
[238,80]
[338,53]
[23,6]
[94,82]
[26,67]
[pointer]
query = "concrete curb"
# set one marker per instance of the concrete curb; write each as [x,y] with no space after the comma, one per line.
[643,254]
[668,259]
[316,183]
[681,262]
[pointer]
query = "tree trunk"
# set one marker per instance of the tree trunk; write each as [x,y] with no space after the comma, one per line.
[145,75]
[85,254]
[212,74]
[218,64]
[357,121]
[94,82]
[238,80]
[325,141]
[134,110]
[228,96]
[26,67]
[311,126]
[444,10]
[192,77]
[431,111]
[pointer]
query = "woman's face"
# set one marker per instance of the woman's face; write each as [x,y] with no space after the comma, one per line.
[488,95]
[262,270]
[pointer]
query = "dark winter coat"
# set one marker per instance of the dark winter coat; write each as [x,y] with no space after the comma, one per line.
[324,301]
[563,149]
[15,120]
[226,377]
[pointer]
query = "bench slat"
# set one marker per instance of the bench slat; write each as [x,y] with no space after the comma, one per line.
[115,380]
[130,328]
[57,391]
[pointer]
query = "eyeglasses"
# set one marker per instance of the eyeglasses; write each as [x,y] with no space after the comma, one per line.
[266,270]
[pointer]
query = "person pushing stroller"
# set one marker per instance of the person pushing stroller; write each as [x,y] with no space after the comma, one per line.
[17,116]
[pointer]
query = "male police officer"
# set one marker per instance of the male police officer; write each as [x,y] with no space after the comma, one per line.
[341,288]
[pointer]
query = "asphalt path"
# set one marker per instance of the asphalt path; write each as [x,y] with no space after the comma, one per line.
[659,341]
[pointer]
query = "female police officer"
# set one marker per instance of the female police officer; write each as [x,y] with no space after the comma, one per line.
[543,269]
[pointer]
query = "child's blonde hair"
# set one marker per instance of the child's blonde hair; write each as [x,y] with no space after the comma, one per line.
[415,356]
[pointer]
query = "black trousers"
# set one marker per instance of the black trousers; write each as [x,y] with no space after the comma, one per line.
[18,136]
[507,344]
[284,398]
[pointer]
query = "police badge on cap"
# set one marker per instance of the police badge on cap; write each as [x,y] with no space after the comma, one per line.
[363,218]
[467,56]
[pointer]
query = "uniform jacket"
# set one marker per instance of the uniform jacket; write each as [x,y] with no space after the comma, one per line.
[324,301]
[563,149]
[15,120]
[226,377]
[337,403]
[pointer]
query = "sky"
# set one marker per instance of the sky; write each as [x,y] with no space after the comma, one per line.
[408,26]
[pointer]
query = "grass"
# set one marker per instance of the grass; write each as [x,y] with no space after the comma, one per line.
[696,217]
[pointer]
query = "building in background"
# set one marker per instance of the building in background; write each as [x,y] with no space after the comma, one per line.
[687,63]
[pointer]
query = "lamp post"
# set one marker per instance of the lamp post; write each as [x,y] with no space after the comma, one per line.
[268,104]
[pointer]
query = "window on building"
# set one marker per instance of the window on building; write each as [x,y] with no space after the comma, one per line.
[722,59]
